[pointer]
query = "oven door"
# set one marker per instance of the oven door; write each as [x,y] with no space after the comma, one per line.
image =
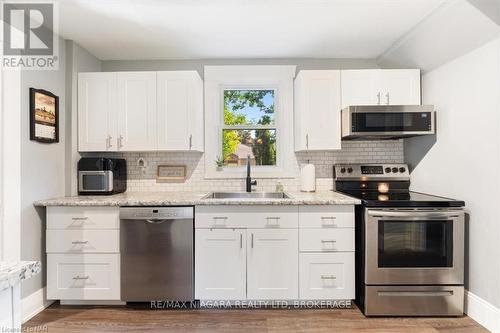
[413,247]
[95,181]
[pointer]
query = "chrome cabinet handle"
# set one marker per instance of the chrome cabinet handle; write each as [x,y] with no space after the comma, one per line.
[378,98]
[78,277]
[328,241]
[80,242]
[220,217]
[307,141]
[328,217]
[328,277]
[108,143]
[120,142]
[387,97]
[241,241]
[251,243]
[190,141]
[79,218]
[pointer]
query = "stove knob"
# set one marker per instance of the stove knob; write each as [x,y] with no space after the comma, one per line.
[402,169]
[387,170]
[349,170]
[394,170]
[342,170]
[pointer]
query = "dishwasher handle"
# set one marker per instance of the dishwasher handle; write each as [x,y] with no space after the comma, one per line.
[157,221]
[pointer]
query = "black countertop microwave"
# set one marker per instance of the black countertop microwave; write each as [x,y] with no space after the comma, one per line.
[100,175]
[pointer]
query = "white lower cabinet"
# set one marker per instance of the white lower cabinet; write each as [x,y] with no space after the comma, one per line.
[83,253]
[220,264]
[326,275]
[241,255]
[272,268]
[83,276]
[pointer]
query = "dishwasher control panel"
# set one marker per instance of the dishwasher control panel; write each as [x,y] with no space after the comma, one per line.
[139,213]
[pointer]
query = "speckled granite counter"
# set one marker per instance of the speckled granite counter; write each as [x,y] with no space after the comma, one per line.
[12,273]
[193,198]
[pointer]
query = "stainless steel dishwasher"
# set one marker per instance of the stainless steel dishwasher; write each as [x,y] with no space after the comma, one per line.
[157,255]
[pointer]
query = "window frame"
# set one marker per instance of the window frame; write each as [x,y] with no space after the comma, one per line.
[277,78]
[251,127]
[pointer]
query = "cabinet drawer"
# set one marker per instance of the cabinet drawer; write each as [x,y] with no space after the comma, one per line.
[83,276]
[246,217]
[83,241]
[329,240]
[326,275]
[340,216]
[83,218]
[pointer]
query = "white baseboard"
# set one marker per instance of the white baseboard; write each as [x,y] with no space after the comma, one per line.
[33,304]
[483,312]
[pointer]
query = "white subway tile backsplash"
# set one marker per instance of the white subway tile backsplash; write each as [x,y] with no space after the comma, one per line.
[351,152]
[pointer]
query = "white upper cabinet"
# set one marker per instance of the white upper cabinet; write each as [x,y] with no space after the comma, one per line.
[360,87]
[136,115]
[380,87]
[180,111]
[96,112]
[400,86]
[317,110]
[140,111]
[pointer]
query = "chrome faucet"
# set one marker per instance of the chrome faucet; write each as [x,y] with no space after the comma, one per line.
[250,182]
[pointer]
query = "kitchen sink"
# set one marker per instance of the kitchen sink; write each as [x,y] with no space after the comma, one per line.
[246,195]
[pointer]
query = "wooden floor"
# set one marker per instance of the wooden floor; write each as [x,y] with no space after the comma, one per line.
[70,319]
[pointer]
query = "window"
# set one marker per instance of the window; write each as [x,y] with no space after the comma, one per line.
[249,111]
[249,128]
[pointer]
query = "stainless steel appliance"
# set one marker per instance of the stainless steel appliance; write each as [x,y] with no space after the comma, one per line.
[387,121]
[409,245]
[99,175]
[157,255]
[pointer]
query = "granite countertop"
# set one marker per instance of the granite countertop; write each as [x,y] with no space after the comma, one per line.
[12,273]
[196,198]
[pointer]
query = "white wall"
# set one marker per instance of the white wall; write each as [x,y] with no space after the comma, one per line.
[166,65]
[42,167]
[464,161]
[456,28]
[78,60]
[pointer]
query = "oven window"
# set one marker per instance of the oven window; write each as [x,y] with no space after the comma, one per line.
[391,122]
[415,244]
[94,182]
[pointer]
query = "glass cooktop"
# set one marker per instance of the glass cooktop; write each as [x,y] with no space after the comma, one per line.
[402,199]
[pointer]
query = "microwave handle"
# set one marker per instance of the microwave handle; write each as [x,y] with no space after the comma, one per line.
[413,214]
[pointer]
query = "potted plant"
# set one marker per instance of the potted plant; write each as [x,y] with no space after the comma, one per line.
[219,162]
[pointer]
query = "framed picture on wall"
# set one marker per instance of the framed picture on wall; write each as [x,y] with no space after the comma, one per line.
[44,116]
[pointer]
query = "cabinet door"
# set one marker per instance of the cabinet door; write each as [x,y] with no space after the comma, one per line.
[180,111]
[220,264]
[400,86]
[272,264]
[136,111]
[318,110]
[96,112]
[360,87]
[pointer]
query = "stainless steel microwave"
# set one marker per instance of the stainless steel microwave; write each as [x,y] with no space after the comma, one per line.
[375,122]
[99,175]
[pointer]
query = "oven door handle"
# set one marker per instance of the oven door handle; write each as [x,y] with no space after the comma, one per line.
[413,214]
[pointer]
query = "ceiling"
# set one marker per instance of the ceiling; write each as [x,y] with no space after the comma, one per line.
[208,29]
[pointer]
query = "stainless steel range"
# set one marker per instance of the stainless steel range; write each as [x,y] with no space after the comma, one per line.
[409,245]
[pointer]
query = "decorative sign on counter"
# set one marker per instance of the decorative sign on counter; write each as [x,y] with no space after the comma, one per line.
[171,173]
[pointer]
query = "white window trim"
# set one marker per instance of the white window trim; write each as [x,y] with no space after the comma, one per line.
[278,78]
